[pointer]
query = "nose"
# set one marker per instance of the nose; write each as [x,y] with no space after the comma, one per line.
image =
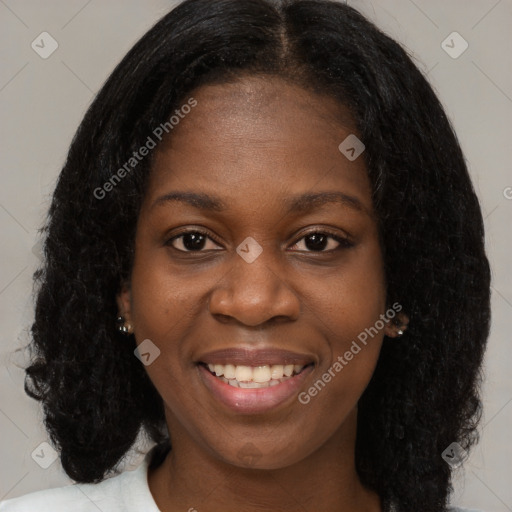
[254,293]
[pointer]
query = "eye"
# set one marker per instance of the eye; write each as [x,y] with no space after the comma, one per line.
[317,241]
[192,241]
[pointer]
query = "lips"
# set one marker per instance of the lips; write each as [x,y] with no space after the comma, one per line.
[254,381]
[260,357]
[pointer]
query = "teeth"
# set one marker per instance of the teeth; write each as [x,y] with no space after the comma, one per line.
[288,370]
[253,385]
[229,371]
[250,385]
[261,374]
[254,377]
[243,373]
[276,371]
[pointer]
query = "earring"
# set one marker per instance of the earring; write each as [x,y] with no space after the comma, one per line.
[401,330]
[125,328]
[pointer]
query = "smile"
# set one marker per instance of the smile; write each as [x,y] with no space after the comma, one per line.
[254,390]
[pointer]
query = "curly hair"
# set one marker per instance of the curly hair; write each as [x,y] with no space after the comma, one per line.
[424,393]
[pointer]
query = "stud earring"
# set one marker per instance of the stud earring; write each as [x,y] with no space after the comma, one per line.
[122,326]
[401,331]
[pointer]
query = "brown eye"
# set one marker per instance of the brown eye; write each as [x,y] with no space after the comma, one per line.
[191,241]
[318,241]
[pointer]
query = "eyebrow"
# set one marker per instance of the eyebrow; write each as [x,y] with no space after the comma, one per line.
[295,204]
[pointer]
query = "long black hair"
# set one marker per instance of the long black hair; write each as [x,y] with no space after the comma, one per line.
[424,394]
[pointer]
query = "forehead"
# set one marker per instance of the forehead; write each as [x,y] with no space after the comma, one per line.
[259,95]
[255,106]
[259,138]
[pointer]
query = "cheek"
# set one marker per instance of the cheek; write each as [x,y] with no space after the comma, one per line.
[165,306]
[163,298]
[349,314]
[354,295]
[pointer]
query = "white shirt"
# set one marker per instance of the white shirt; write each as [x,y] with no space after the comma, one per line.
[127,492]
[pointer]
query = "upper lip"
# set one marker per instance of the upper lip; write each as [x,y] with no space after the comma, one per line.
[255,357]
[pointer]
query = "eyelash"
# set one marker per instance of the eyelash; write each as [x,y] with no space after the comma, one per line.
[345,243]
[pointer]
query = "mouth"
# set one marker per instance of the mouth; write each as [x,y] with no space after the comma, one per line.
[253,388]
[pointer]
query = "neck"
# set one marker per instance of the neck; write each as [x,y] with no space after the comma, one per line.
[190,478]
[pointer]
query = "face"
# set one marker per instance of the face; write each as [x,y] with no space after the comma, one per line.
[251,281]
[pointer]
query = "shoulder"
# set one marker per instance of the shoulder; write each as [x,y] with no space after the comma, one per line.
[457,509]
[57,500]
[126,492]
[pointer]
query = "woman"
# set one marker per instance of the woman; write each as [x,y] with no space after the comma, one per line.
[264,250]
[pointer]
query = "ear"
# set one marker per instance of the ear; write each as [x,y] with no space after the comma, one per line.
[399,323]
[124,302]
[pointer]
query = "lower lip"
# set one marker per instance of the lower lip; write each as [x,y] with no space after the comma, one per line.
[253,401]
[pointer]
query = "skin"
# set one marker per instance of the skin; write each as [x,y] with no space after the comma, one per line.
[255,143]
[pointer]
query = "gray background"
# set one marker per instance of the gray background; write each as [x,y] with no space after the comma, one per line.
[43,100]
